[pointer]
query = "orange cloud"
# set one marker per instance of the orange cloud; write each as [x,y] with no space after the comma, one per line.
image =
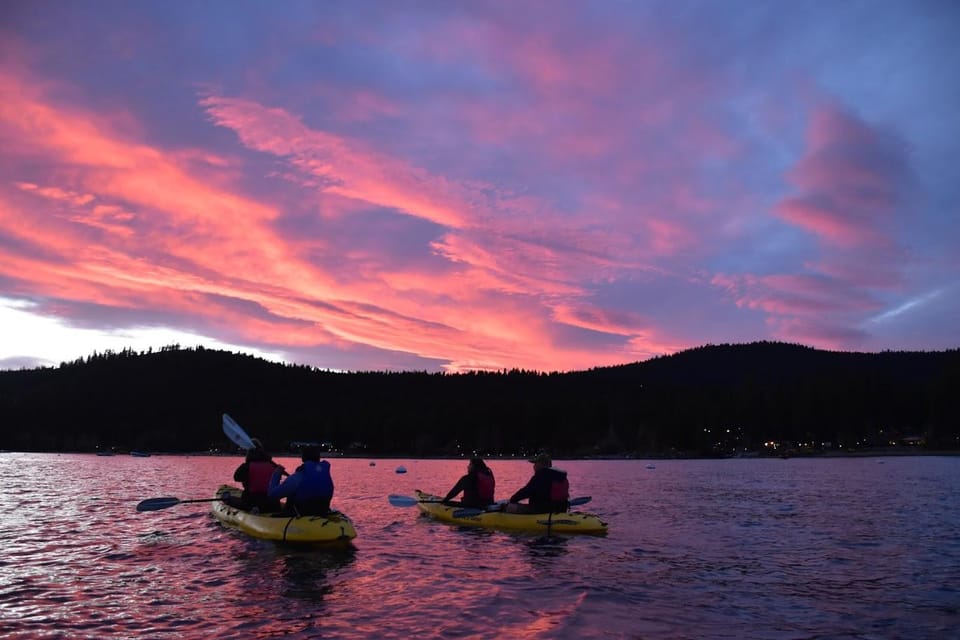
[343,166]
[120,224]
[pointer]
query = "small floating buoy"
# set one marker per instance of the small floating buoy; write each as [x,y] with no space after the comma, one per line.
[372,463]
[401,469]
[650,466]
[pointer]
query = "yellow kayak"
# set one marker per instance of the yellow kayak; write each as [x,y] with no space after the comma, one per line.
[333,528]
[567,522]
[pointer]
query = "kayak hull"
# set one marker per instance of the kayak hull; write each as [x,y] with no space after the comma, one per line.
[334,528]
[543,523]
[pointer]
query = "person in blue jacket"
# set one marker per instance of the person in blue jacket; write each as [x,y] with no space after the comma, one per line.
[309,489]
[547,491]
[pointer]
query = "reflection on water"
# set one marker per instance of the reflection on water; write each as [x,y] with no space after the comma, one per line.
[544,546]
[704,549]
[309,575]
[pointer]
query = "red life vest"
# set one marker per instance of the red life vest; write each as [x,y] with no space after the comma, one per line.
[485,487]
[559,488]
[258,477]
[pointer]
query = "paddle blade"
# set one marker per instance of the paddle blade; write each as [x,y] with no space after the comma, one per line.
[155,504]
[401,501]
[236,433]
[578,501]
[499,505]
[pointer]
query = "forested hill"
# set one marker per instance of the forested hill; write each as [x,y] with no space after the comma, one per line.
[712,400]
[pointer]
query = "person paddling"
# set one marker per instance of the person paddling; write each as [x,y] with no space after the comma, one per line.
[548,491]
[254,474]
[309,489]
[477,486]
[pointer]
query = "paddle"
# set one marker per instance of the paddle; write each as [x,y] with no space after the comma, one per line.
[155,504]
[239,437]
[406,501]
[236,433]
[470,513]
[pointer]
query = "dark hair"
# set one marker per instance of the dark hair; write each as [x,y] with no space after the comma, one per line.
[479,464]
[258,455]
[311,454]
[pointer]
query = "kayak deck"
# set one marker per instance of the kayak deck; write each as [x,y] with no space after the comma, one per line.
[567,522]
[333,528]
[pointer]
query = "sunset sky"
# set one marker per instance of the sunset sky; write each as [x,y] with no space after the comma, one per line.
[437,185]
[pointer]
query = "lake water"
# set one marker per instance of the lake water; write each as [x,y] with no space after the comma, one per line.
[798,548]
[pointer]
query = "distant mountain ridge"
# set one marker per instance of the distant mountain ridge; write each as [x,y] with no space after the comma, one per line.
[781,361]
[710,400]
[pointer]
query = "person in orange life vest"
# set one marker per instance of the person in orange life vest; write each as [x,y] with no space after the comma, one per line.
[254,474]
[477,485]
[547,491]
[309,489]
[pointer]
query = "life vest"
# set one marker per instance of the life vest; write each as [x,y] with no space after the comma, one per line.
[486,485]
[315,482]
[559,487]
[258,476]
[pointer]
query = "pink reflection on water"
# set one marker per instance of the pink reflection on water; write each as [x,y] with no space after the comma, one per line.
[695,549]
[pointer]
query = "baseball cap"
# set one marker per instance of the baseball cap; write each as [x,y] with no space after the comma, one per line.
[542,458]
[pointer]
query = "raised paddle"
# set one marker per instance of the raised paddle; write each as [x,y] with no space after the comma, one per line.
[155,504]
[239,437]
[236,433]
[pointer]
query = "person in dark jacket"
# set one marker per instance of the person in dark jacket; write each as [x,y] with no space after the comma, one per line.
[477,486]
[547,491]
[254,474]
[309,489]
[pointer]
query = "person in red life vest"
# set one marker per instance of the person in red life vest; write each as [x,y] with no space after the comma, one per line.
[254,474]
[547,491]
[309,489]
[477,486]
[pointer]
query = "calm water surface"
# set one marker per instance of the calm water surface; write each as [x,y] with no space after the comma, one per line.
[825,548]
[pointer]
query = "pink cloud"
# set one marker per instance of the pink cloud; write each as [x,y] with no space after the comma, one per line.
[358,105]
[344,166]
[607,321]
[796,295]
[139,227]
[502,243]
[822,333]
[851,180]
[350,169]
[853,185]
[829,222]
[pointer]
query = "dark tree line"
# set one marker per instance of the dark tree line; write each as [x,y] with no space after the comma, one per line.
[712,400]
